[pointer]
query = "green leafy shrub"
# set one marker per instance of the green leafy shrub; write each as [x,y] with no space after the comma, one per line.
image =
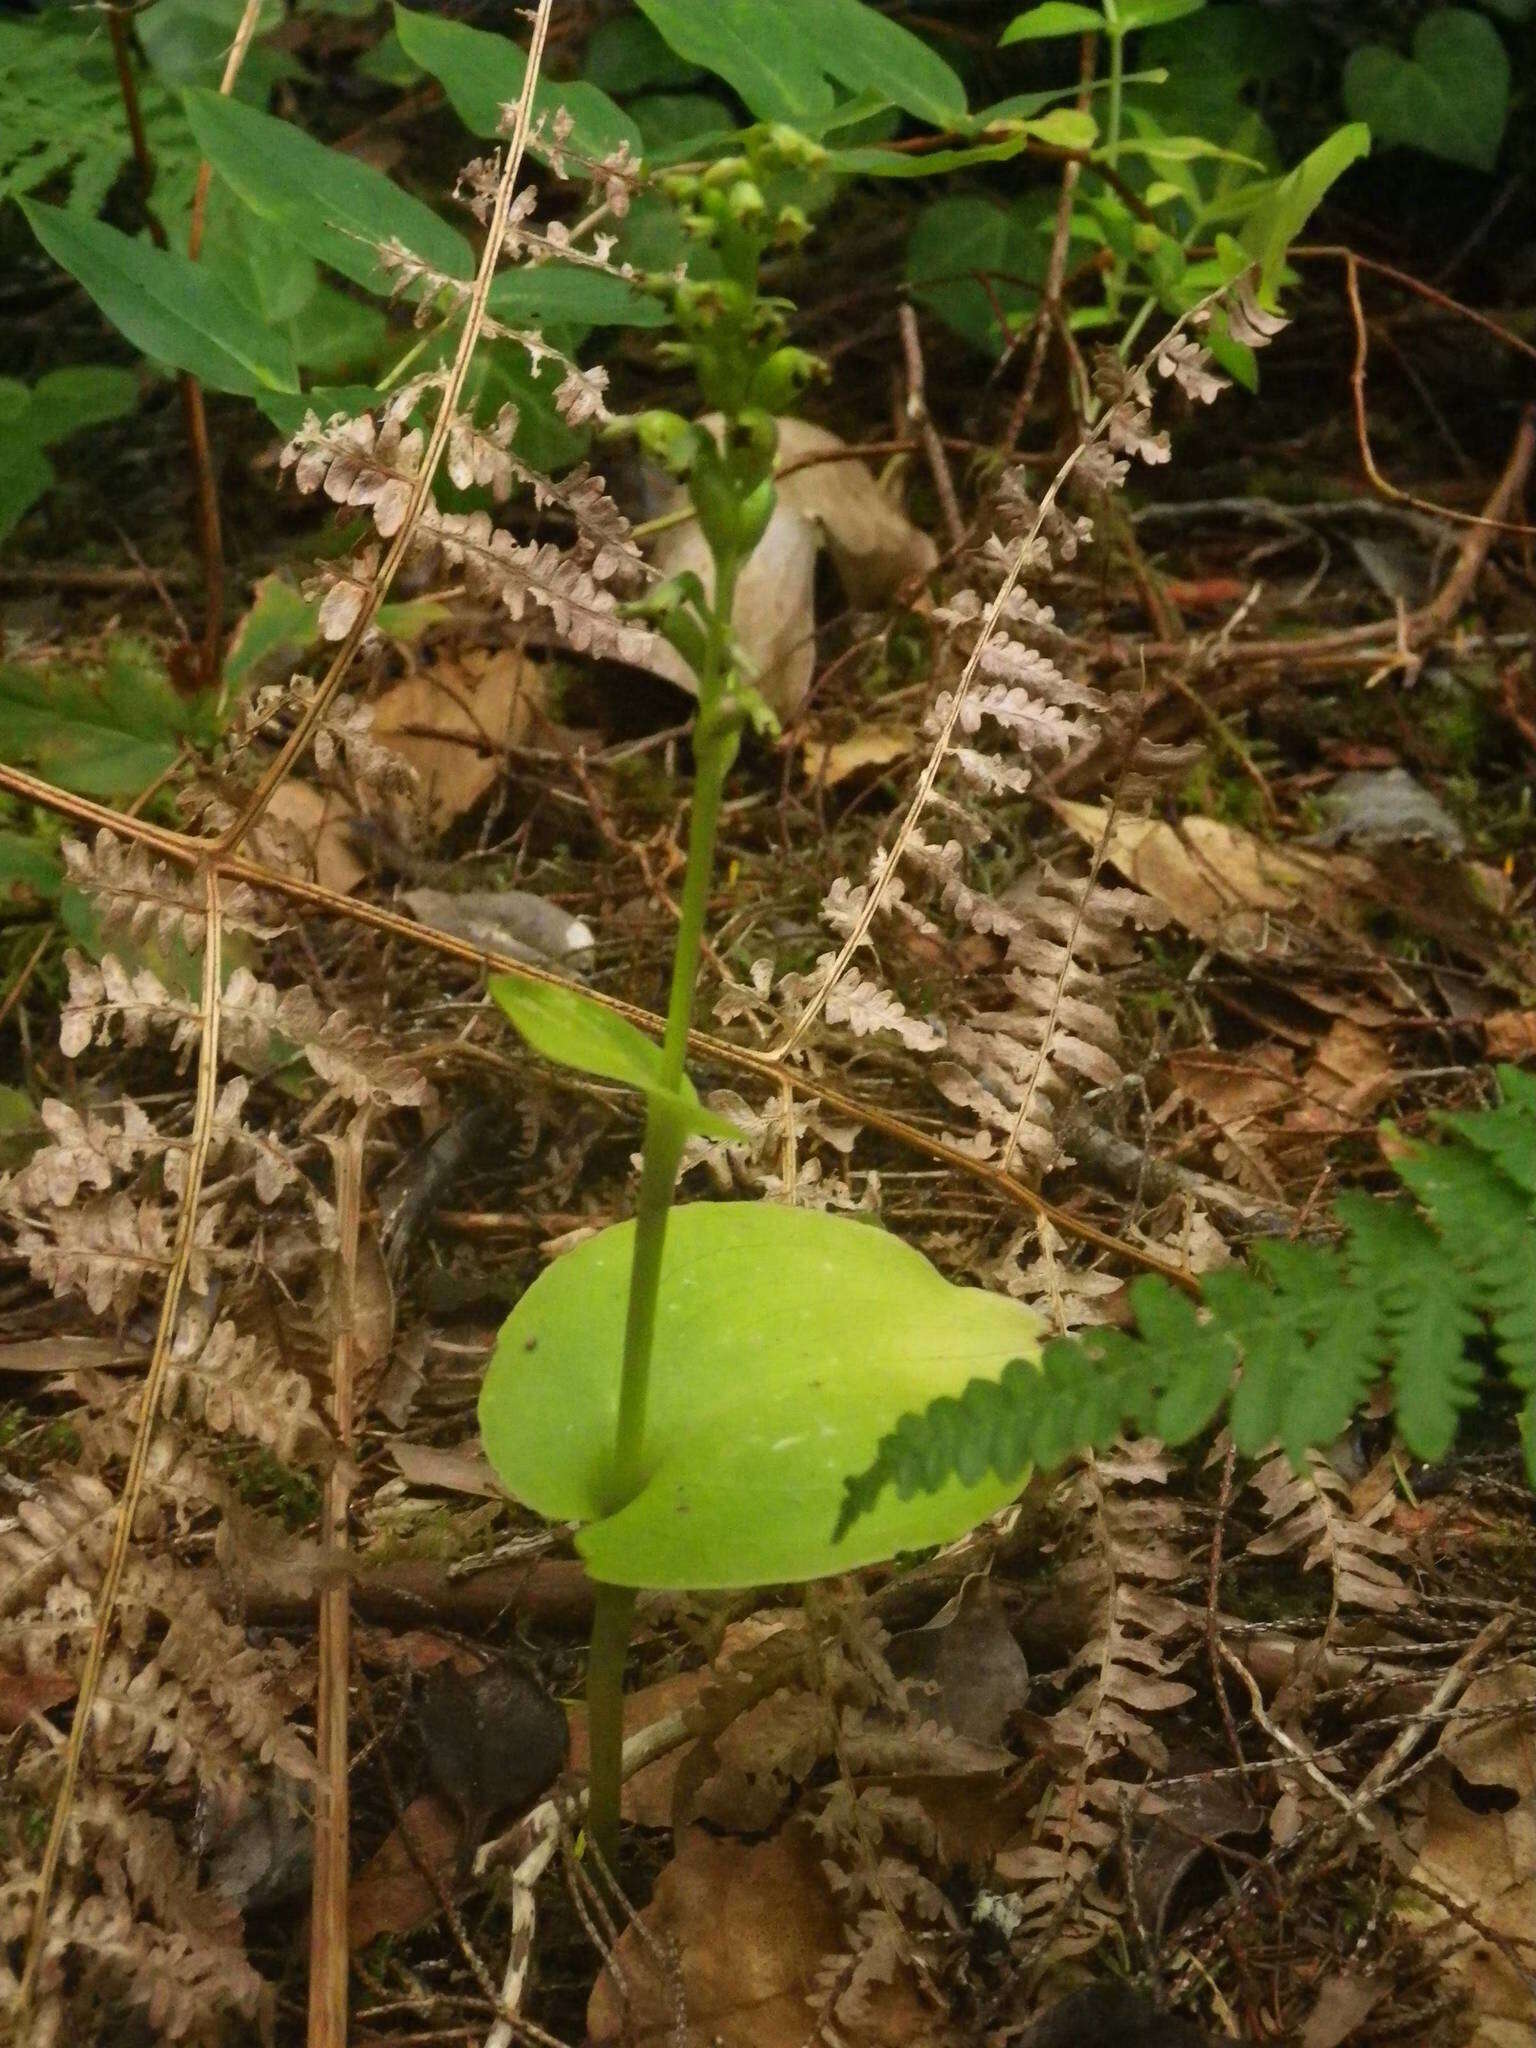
[1421,1290]
[35,419]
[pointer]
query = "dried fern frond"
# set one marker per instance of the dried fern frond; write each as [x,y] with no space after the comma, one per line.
[1012,708]
[1311,1515]
[133,890]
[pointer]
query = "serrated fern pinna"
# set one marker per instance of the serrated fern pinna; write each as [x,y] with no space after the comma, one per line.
[1292,1346]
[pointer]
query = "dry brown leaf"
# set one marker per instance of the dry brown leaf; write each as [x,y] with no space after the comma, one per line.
[465,1470]
[1343,2003]
[874,547]
[647,1796]
[1220,882]
[1511,1035]
[1487,1860]
[320,822]
[391,1894]
[1349,1075]
[750,1927]
[969,1656]
[453,722]
[24,1693]
[872,746]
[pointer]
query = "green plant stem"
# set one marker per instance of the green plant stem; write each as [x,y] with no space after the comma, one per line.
[716,734]
[1116,80]
[612,1612]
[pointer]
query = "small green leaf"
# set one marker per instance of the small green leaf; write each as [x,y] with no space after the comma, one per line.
[483,74]
[1450,98]
[168,307]
[1052,18]
[568,1028]
[336,206]
[788,1341]
[1271,228]
[1136,14]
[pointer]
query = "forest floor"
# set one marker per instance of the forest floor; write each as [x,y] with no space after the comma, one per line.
[1244,1752]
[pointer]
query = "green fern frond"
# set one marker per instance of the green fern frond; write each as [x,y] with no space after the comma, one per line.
[1291,1347]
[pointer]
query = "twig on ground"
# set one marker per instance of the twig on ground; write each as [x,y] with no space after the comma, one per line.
[916,412]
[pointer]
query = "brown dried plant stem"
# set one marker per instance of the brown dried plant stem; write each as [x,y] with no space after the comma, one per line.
[328,1952]
[149,1406]
[763,1066]
[421,486]
[205,487]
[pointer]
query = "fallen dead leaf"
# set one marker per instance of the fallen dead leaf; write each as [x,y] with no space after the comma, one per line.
[1487,1859]
[1511,1035]
[750,1928]
[647,1795]
[320,821]
[455,1471]
[454,721]
[872,746]
[968,1655]
[24,1693]
[391,1894]
[1343,2004]
[1349,1075]
[874,547]
[1218,881]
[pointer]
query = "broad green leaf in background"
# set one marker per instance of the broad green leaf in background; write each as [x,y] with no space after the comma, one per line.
[567,1027]
[482,75]
[171,309]
[757,46]
[187,43]
[65,401]
[32,419]
[1451,97]
[1052,18]
[958,240]
[332,204]
[625,54]
[677,125]
[787,1342]
[865,51]
[1272,227]
[106,731]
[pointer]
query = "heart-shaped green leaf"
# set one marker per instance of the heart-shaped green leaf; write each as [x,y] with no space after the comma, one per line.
[1451,97]
[788,1342]
[571,1030]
